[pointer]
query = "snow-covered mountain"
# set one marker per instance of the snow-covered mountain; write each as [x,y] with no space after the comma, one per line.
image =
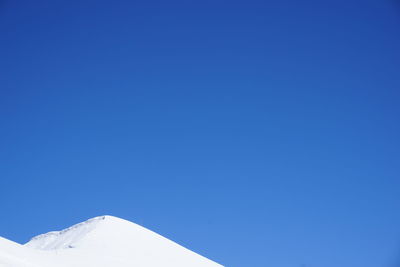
[104,241]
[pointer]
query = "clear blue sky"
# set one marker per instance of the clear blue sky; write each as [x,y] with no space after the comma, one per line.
[257,133]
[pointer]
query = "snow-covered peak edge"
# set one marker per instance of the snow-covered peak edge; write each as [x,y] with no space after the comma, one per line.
[109,239]
[65,238]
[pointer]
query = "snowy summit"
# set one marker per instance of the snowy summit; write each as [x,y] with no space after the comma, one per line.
[104,241]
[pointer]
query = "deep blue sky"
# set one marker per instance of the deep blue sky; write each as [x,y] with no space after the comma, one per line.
[257,133]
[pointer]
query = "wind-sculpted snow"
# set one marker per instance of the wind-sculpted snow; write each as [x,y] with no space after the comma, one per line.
[103,241]
[65,238]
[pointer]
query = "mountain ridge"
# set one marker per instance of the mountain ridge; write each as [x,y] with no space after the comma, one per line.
[100,241]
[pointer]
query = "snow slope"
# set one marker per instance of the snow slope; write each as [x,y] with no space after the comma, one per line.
[13,254]
[103,241]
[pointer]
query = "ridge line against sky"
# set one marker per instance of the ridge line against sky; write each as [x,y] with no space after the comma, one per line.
[258,133]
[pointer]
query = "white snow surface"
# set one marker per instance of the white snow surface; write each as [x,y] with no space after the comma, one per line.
[104,241]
